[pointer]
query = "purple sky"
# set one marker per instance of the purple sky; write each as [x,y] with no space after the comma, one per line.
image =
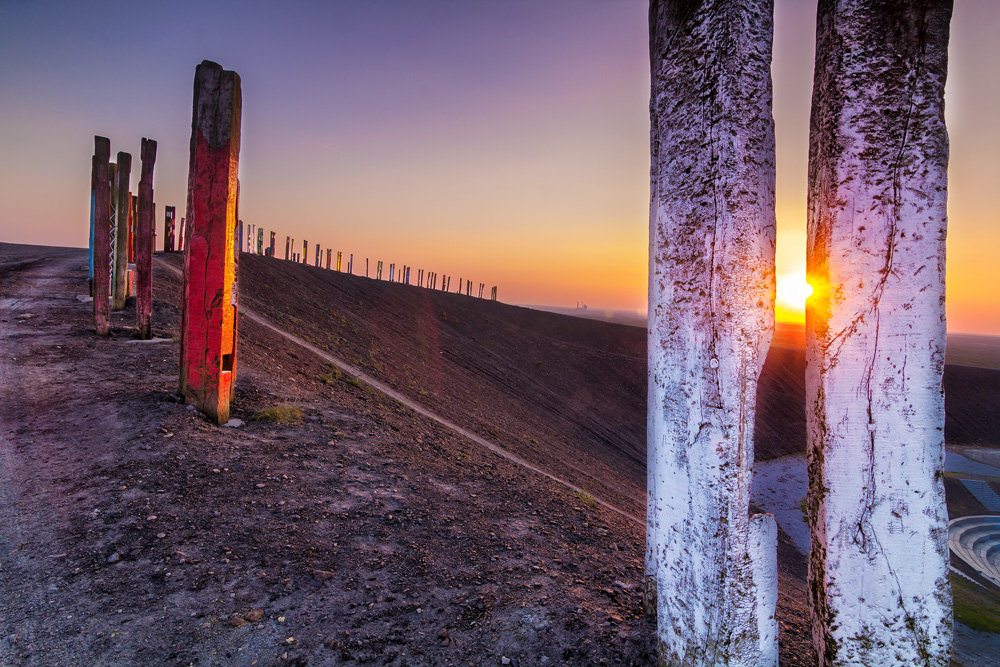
[504,142]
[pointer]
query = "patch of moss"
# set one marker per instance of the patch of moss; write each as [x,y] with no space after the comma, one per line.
[281,414]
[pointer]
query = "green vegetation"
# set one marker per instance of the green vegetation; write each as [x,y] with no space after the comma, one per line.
[975,606]
[354,382]
[281,414]
[585,497]
[328,378]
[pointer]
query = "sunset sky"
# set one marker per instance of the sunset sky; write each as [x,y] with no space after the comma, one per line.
[502,142]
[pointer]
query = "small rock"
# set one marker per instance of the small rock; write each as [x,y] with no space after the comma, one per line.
[151,517]
[114,558]
[504,660]
[236,621]
[233,423]
[160,536]
[254,615]
[260,485]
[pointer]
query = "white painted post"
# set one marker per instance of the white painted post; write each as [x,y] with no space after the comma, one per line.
[711,318]
[877,218]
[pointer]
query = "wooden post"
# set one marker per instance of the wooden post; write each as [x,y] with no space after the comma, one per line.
[133,217]
[208,334]
[378,271]
[102,233]
[317,254]
[350,265]
[329,258]
[272,244]
[168,228]
[710,568]
[305,252]
[260,241]
[239,236]
[180,241]
[122,207]
[144,242]
[340,256]
[879,560]
[288,245]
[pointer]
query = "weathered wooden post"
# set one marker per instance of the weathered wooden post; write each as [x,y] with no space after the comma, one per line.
[271,246]
[340,255]
[100,187]
[208,321]
[144,242]
[875,334]
[180,240]
[350,265]
[123,203]
[239,236]
[378,271]
[133,217]
[113,233]
[305,252]
[260,241]
[366,267]
[493,294]
[710,567]
[317,254]
[288,245]
[168,228]
[329,258]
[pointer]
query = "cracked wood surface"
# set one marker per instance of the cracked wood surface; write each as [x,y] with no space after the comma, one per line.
[876,334]
[208,324]
[711,318]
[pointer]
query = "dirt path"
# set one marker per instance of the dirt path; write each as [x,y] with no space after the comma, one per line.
[416,407]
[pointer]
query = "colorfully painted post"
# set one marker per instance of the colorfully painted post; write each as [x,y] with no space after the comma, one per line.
[113,233]
[329,258]
[168,228]
[260,241]
[317,254]
[378,271]
[239,236]
[133,217]
[144,242]
[208,321]
[102,233]
[271,247]
[339,258]
[180,240]
[305,251]
[123,203]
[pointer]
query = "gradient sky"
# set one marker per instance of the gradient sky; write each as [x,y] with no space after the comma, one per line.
[502,142]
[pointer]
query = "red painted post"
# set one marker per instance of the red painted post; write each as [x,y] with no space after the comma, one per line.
[102,233]
[133,217]
[168,228]
[208,333]
[144,242]
[180,241]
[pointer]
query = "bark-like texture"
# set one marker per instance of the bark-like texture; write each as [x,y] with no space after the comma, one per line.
[144,243]
[711,318]
[208,317]
[876,334]
[101,253]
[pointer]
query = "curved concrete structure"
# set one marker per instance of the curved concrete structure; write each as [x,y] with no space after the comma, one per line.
[976,540]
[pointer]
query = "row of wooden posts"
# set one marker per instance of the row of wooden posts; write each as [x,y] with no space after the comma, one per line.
[122,239]
[121,235]
[254,238]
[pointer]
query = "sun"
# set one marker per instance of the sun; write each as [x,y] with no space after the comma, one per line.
[790,299]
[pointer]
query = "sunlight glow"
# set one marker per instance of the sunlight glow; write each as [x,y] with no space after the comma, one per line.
[790,299]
